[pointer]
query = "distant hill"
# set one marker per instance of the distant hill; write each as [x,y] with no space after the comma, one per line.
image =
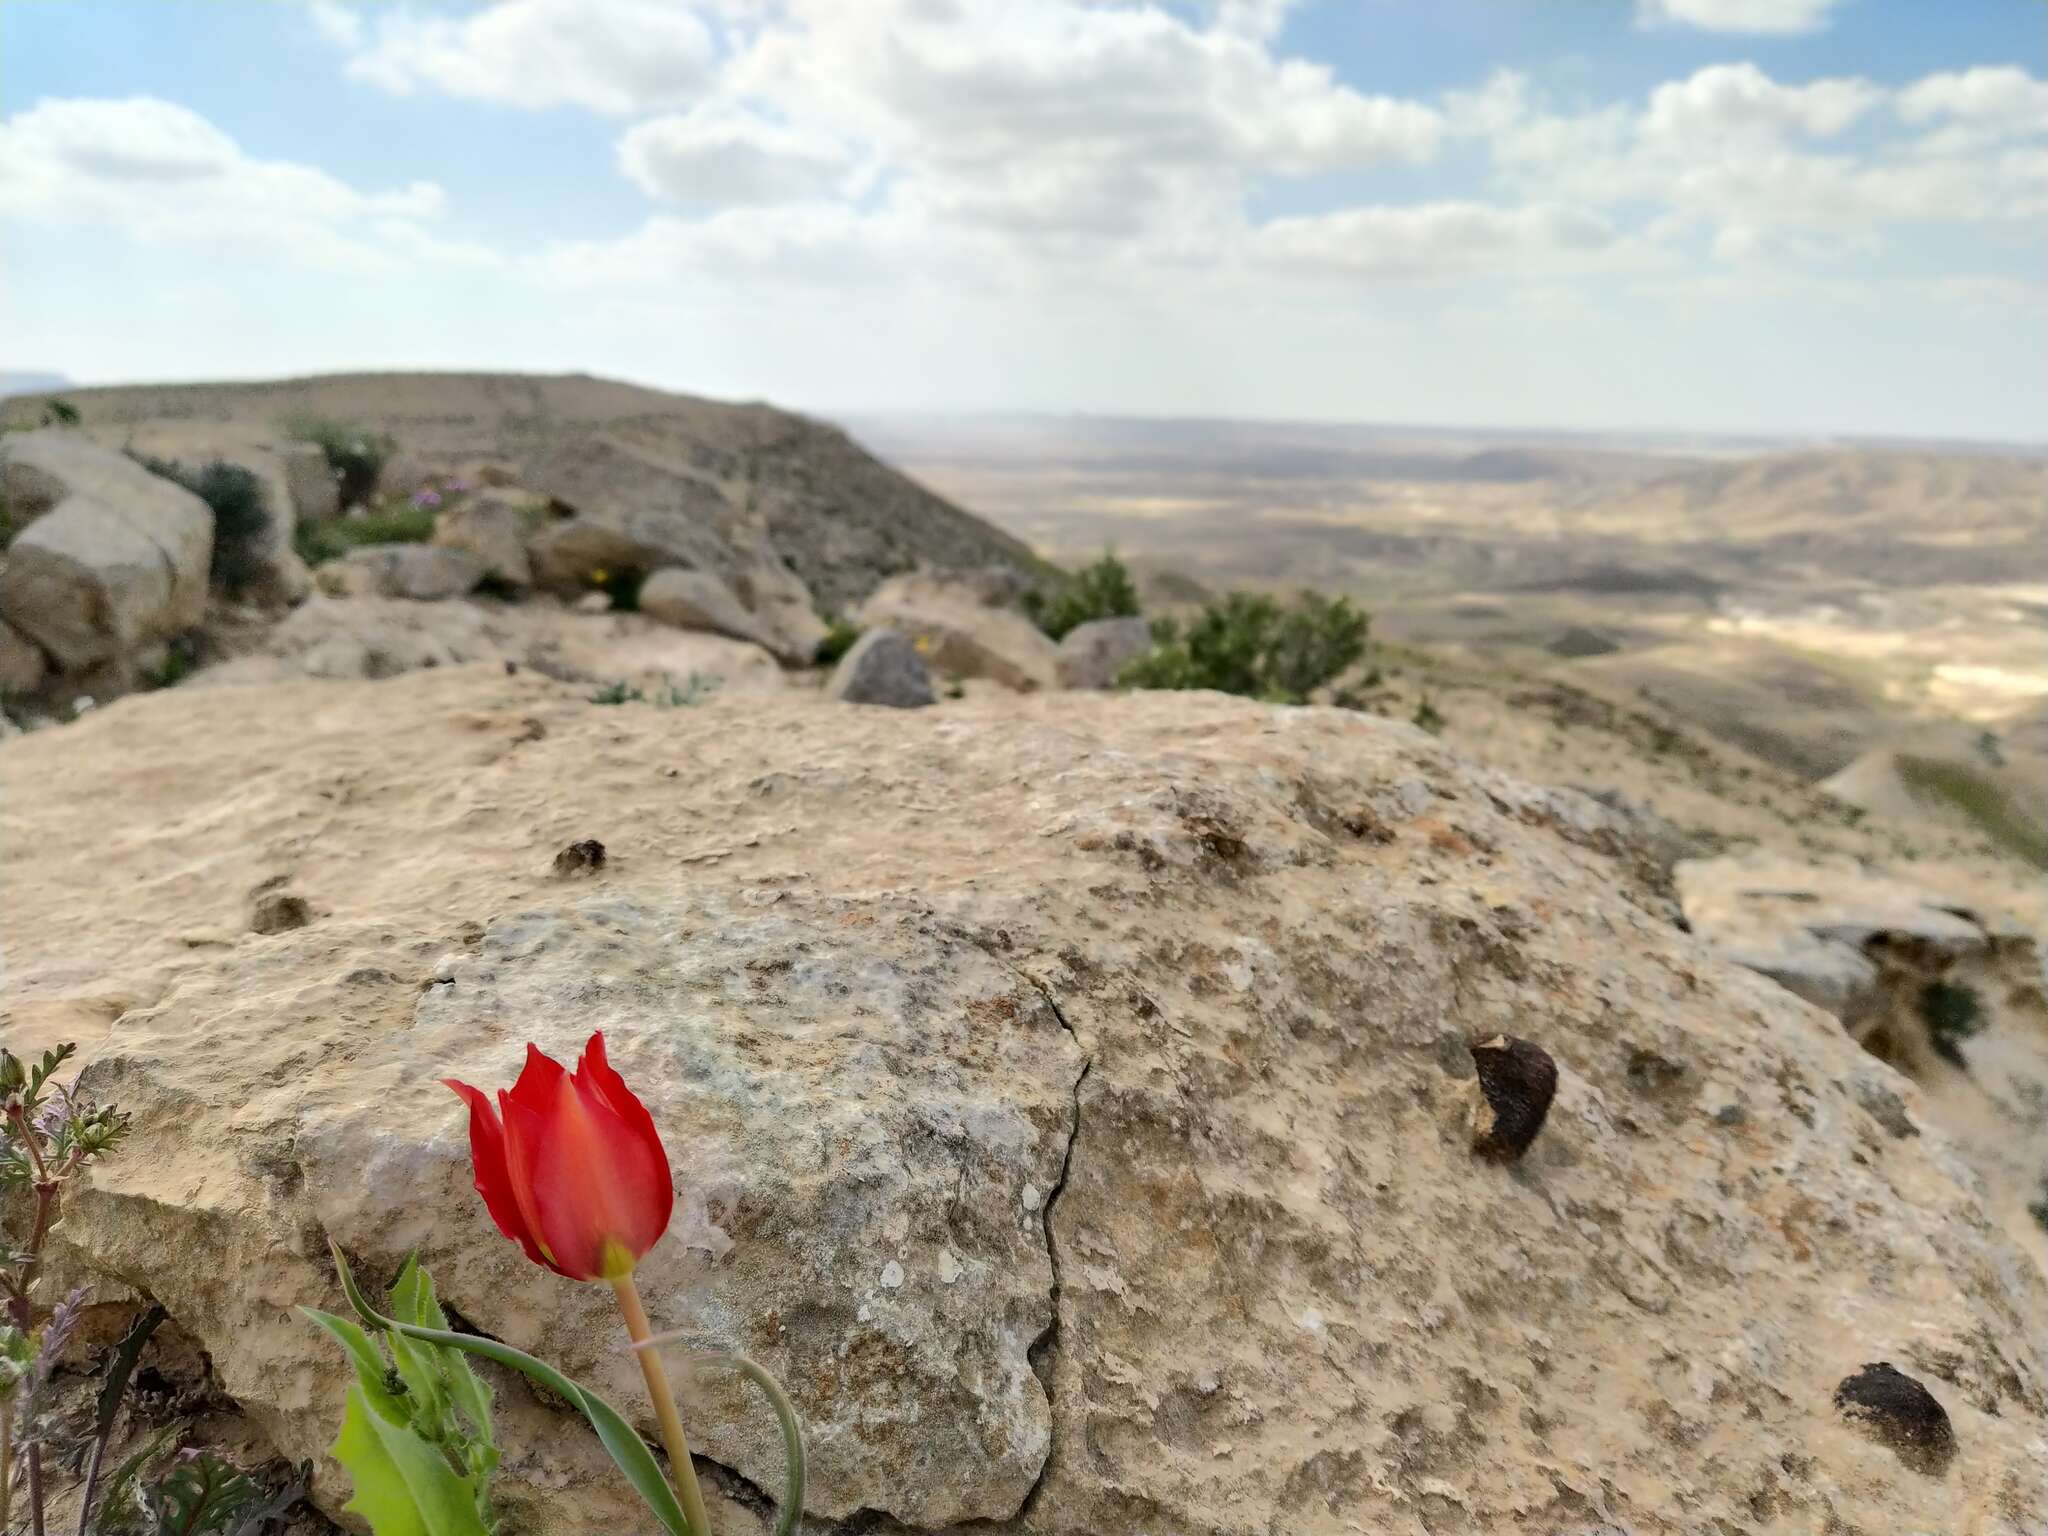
[837,516]
[30,383]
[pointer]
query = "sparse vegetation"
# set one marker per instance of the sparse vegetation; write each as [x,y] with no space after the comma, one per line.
[241,517]
[1103,590]
[1952,1015]
[1429,718]
[1991,808]
[839,639]
[694,689]
[355,454]
[59,412]
[1248,644]
[397,522]
[181,658]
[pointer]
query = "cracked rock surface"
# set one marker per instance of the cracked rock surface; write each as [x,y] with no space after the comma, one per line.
[1071,1098]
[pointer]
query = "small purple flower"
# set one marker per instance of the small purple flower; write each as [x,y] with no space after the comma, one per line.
[426,499]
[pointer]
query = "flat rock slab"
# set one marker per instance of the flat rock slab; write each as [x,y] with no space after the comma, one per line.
[1073,1096]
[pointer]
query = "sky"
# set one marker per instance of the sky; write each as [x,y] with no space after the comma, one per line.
[1780,216]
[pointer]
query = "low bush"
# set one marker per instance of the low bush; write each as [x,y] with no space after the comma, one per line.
[1103,590]
[241,517]
[839,639]
[1248,644]
[398,522]
[1952,1015]
[355,454]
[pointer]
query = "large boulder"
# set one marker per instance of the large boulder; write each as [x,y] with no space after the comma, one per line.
[698,600]
[962,633]
[495,527]
[882,667]
[1071,1098]
[422,572]
[118,561]
[296,483]
[22,663]
[1092,655]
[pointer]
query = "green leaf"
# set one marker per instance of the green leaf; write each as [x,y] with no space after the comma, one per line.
[403,1486]
[792,1431]
[621,1441]
[371,1369]
[200,1493]
[121,1366]
[413,1301]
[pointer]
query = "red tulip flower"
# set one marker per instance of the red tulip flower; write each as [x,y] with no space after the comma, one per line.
[570,1166]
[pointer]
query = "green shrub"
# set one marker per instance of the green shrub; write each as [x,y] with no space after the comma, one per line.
[693,690]
[395,522]
[1248,644]
[1102,591]
[839,639]
[1430,718]
[60,413]
[1952,1015]
[241,517]
[355,454]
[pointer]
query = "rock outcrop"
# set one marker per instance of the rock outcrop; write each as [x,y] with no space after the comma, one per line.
[113,562]
[494,526]
[298,487]
[424,573]
[961,631]
[1073,1098]
[1092,655]
[1955,999]
[789,513]
[697,600]
[22,664]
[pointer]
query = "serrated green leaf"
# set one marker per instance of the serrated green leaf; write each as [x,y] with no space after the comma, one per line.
[370,1364]
[620,1440]
[403,1486]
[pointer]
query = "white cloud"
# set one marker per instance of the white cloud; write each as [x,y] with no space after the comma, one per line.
[1764,17]
[612,56]
[729,156]
[1739,102]
[1439,239]
[158,171]
[2005,94]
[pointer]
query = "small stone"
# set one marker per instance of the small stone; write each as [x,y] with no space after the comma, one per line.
[280,912]
[585,857]
[1517,1080]
[892,1275]
[883,667]
[1900,1413]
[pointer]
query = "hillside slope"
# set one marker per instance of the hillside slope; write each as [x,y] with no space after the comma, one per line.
[839,518]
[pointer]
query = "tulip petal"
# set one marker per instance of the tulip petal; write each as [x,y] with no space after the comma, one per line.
[493,1178]
[594,1068]
[526,1153]
[539,1081]
[600,1198]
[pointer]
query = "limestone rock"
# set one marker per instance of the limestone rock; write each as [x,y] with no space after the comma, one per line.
[281,468]
[1092,654]
[315,493]
[1070,1098]
[421,572]
[494,527]
[697,600]
[22,663]
[882,667]
[961,634]
[1954,999]
[115,564]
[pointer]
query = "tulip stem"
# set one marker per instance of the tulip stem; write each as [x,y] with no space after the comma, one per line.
[663,1396]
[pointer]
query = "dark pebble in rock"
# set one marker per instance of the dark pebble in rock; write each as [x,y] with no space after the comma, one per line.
[580,858]
[280,912]
[1900,1413]
[1517,1080]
